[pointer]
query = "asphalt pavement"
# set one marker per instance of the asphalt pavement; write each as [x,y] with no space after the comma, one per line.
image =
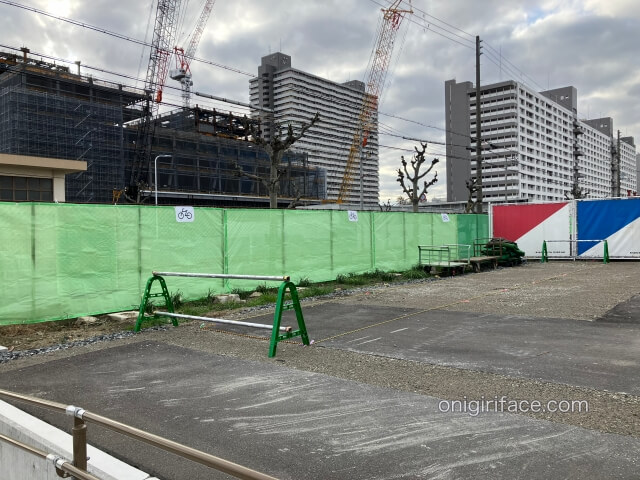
[283,418]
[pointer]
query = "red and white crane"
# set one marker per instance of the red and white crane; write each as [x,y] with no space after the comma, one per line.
[182,72]
[381,57]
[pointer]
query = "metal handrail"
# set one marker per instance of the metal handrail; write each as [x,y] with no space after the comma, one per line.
[80,416]
[62,466]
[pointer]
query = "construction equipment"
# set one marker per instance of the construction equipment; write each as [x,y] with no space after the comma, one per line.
[381,57]
[164,34]
[182,72]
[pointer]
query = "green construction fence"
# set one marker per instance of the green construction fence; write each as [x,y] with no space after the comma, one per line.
[62,261]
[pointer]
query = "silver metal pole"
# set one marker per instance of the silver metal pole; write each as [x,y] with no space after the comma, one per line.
[285,278]
[155,174]
[221,320]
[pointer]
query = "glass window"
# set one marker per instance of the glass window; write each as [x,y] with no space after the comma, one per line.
[20,195]
[20,183]
[21,189]
[34,195]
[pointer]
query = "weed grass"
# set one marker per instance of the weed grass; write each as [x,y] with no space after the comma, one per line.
[268,295]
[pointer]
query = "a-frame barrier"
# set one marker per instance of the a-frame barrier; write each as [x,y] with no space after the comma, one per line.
[281,306]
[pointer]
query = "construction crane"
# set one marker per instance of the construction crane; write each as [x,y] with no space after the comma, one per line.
[164,34]
[182,72]
[381,57]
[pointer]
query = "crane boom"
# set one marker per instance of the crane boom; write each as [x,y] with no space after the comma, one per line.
[392,18]
[164,33]
[182,73]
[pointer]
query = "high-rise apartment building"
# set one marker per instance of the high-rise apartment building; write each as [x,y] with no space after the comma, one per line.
[533,145]
[282,95]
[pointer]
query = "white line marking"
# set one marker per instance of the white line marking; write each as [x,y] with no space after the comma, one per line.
[369,341]
[357,339]
[399,330]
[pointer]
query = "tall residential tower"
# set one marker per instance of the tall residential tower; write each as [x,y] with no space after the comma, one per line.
[533,145]
[282,95]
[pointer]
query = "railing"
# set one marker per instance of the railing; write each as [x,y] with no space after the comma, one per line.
[453,255]
[544,256]
[79,434]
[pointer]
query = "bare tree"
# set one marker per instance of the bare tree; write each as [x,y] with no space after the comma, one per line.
[275,148]
[412,188]
[385,207]
[576,193]
[472,186]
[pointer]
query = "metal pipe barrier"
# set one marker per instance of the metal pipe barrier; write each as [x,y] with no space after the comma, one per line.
[221,320]
[79,467]
[281,306]
[544,255]
[273,278]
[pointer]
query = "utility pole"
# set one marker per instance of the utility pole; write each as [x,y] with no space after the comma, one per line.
[618,173]
[478,140]
[615,168]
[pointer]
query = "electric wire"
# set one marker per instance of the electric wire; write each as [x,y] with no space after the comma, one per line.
[413,7]
[522,73]
[144,43]
[178,99]
[431,30]
[146,37]
[116,35]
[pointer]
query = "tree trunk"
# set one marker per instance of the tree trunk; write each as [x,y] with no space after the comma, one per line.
[275,187]
[414,198]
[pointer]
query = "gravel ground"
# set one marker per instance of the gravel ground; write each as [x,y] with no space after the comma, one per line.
[577,290]
[561,290]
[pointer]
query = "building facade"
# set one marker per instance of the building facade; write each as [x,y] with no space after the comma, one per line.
[533,146]
[282,95]
[49,113]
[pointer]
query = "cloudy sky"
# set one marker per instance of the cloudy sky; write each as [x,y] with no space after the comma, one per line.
[593,45]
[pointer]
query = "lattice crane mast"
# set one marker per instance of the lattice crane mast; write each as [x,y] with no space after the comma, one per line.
[182,72]
[381,57]
[164,34]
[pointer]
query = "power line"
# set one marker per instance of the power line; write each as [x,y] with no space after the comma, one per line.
[132,88]
[409,19]
[512,65]
[114,34]
[441,21]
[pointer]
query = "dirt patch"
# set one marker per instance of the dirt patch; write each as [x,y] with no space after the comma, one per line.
[39,335]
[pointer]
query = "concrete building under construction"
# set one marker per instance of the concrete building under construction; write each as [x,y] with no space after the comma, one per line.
[48,111]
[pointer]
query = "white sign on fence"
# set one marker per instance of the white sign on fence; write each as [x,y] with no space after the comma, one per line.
[184,214]
[353,216]
[445,217]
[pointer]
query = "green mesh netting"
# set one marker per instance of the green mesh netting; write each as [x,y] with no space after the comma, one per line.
[63,260]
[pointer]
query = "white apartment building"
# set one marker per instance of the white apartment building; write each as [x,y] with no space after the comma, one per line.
[282,95]
[534,147]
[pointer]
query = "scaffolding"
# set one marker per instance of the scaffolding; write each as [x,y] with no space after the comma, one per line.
[49,112]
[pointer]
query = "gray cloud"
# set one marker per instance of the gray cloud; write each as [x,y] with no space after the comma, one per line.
[590,45]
